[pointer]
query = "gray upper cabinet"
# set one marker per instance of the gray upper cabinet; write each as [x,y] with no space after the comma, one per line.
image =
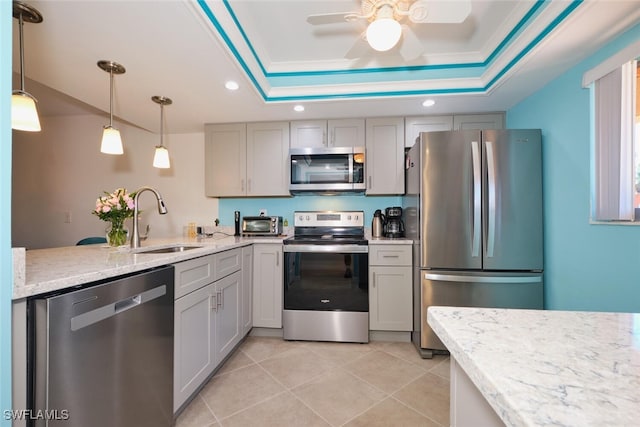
[478,121]
[384,160]
[413,126]
[327,133]
[247,159]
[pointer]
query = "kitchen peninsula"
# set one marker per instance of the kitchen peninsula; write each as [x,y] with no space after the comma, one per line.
[541,368]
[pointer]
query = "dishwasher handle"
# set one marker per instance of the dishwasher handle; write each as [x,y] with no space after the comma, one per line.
[109,310]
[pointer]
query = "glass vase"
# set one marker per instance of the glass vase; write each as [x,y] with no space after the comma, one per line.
[117,234]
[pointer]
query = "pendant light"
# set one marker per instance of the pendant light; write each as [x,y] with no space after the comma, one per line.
[24,114]
[161,157]
[111,141]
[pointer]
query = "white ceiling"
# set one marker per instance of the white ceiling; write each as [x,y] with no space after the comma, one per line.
[186,50]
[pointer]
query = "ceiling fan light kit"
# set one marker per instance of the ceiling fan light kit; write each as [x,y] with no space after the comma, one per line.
[385,30]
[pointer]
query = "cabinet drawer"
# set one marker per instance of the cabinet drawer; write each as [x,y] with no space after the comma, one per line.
[193,274]
[390,255]
[228,262]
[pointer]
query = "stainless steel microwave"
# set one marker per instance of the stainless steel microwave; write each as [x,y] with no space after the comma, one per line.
[327,169]
[262,225]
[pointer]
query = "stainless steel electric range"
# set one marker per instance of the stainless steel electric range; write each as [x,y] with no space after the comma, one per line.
[326,278]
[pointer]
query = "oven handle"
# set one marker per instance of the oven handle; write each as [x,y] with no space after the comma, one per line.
[353,249]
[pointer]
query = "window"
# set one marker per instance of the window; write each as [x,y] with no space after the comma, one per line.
[616,136]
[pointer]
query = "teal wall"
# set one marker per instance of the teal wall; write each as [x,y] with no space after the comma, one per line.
[285,206]
[6,265]
[587,266]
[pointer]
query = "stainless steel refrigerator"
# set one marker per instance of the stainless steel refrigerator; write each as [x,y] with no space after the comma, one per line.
[473,207]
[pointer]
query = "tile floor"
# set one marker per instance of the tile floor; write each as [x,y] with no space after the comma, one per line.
[272,382]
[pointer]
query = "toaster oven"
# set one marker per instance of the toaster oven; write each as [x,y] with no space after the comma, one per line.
[261,225]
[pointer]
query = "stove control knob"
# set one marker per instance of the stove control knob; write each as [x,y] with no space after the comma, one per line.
[348,217]
[300,217]
[308,218]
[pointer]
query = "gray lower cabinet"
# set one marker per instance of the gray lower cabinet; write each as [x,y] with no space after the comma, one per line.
[390,287]
[247,289]
[268,293]
[207,318]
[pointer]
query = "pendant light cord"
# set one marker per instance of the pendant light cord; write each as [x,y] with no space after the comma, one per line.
[21,21]
[111,97]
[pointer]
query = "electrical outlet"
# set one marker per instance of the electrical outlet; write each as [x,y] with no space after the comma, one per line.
[263,212]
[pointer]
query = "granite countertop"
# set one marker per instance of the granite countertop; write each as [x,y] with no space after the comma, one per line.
[48,270]
[548,368]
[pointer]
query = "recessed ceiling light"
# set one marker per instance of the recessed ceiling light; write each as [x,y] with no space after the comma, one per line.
[429,103]
[231,85]
[298,108]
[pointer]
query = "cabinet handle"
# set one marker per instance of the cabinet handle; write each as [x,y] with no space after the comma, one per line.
[242,185]
[325,142]
[373,280]
[333,137]
[220,299]
[214,306]
[277,259]
[390,256]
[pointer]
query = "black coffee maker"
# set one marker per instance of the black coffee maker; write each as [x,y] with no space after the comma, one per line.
[393,225]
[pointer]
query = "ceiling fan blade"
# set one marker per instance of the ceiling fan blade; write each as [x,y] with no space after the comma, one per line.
[439,11]
[359,49]
[332,18]
[410,47]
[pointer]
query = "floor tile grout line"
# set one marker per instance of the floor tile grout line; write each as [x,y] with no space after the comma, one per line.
[266,399]
[408,405]
[215,417]
[415,410]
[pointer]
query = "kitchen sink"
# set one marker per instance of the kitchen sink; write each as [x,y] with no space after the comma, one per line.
[166,249]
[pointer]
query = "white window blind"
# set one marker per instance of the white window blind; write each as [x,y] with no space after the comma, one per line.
[614,124]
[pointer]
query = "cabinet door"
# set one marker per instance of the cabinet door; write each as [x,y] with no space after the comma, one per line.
[308,133]
[267,159]
[194,342]
[225,152]
[478,121]
[390,300]
[346,133]
[413,126]
[247,289]
[385,156]
[267,285]
[228,314]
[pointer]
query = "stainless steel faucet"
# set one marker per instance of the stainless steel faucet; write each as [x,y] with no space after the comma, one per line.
[162,209]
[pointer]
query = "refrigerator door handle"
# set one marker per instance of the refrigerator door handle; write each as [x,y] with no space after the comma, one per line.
[482,279]
[477,198]
[491,196]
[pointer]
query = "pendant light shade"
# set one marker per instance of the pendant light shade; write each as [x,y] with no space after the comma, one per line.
[111,141]
[161,156]
[24,114]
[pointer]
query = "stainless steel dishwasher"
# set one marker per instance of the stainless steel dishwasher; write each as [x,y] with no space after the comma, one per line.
[103,355]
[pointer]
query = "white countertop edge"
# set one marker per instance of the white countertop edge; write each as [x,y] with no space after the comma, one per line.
[54,269]
[496,400]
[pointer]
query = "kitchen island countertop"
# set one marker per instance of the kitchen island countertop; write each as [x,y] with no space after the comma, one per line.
[54,269]
[544,368]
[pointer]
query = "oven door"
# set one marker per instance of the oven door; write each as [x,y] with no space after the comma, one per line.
[326,277]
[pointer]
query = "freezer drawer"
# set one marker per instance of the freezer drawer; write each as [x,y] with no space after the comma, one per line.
[463,289]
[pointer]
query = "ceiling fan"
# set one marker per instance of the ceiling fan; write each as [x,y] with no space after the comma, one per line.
[385,29]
